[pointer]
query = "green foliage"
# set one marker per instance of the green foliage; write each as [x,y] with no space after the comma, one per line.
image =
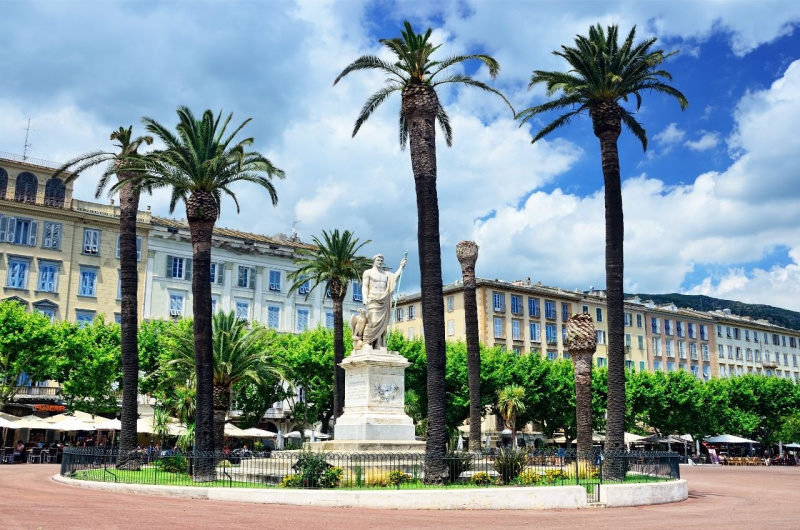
[397,477]
[790,428]
[173,464]
[292,481]
[529,477]
[509,463]
[314,472]
[481,479]
[555,475]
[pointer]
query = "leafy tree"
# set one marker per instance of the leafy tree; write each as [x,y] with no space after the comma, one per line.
[332,263]
[414,76]
[510,402]
[790,428]
[602,75]
[126,164]
[200,163]
[27,348]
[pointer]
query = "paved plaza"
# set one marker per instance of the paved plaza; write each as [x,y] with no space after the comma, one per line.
[719,497]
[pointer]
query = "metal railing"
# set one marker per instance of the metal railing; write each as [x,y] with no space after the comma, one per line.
[314,470]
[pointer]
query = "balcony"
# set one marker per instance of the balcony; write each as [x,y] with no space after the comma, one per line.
[28,392]
[500,309]
[769,364]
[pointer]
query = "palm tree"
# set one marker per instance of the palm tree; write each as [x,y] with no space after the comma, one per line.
[199,165]
[126,165]
[333,263]
[467,254]
[602,75]
[414,75]
[581,342]
[239,358]
[510,402]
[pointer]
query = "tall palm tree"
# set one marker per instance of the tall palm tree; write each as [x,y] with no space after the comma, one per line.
[511,402]
[199,164]
[126,164]
[467,254]
[333,263]
[414,76]
[239,357]
[581,342]
[602,75]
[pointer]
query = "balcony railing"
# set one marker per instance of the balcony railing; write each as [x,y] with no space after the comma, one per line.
[38,391]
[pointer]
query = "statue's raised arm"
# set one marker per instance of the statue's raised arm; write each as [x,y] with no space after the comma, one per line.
[377,289]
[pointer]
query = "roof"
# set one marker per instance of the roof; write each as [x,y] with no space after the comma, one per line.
[235,234]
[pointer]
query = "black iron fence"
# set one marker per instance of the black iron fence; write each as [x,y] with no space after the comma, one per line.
[305,469]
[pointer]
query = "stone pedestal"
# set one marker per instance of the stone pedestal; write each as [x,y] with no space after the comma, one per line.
[374,418]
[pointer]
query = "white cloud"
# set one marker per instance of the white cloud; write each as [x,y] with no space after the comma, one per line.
[671,135]
[709,140]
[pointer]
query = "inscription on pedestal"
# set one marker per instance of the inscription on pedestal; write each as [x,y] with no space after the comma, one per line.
[356,389]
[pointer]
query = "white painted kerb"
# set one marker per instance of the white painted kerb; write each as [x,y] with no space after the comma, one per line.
[614,495]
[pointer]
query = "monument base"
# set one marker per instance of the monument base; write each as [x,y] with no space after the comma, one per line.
[367,446]
[374,401]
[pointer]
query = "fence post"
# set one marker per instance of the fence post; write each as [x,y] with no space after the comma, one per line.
[577,468]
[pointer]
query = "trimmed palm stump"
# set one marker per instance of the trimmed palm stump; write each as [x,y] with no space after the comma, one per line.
[582,343]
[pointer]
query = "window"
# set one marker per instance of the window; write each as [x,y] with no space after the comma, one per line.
[48,276]
[118,318]
[49,312]
[786,359]
[138,248]
[451,327]
[3,183]
[535,331]
[273,317]
[176,304]
[703,332]
[549,309]
[551,333]
[642,366]
[566,355]
[738,353]
[730,352]
[719,330]
[630,366]
[498,328]
[679,328]
[601,362]
[91,242]
[599,312]
[566,309]
[667,327]
[516,304]
[655,325]
[450,304]
[17,277]
[563,333]
[706,372]
[690,330]
[217,273]
[533,307]
[695,370]
[27,186]
[585,310]
[275,283]
[736,333]
[670,348]
[84,318]
[243,310]
[628,340]
[757,355]
[411,312]
[422,332]
[54,193]
[246,278]
[638,321]
[329,319]
[748,354]
[681,349]
[552,355]
[600,336]
[755,336]
[179,268]
[398,314]
[670,366]
[18,231]
[657,366]
[51,236]
[305,288]
[498,301]
[214,304]
[410,333]
[628,319]
[794,361]
[657,346]
[693,351]
[516,334]
[302,319]
[88,282]
[640,341]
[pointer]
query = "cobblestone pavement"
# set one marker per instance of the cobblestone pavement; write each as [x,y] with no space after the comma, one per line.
[719,497]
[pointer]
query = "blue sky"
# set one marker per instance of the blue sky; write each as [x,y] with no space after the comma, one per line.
[712,207]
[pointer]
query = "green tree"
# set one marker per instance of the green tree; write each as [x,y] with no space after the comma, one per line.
[790,428]
[126,164]
[332,263]
[239,357]
[414,75]
[27,348]
[510,402]
[602,75]
[200,163]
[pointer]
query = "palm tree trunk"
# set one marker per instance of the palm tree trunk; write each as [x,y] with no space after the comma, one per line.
[338,357]
[467,253]
[420,104]
[129,345]
[201,213]
[606,122]
[583,398]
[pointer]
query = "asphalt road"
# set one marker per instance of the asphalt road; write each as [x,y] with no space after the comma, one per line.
[719,497]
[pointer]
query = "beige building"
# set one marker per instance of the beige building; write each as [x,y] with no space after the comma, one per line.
[525,318]
[58,255]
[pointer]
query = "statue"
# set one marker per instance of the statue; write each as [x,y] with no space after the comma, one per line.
[377,287]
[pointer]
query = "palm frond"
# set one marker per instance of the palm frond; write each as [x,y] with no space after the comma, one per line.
[371,62]
[373,103]
[635,127]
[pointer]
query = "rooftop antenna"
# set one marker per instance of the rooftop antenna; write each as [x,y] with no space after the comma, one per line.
[294,229]
[27,145]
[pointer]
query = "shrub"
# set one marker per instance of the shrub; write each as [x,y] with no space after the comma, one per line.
[397,477]
[509,463]
[312,467]
[553,475]
[529,477]
[377,479]
[481,479]
[292,481]
[332,477]
[173,464]
[457,463]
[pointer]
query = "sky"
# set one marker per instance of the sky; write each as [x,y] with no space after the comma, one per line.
[712,207]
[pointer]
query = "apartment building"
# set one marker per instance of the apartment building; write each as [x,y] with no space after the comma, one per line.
[523,317]
[746,346]
[58,255]
[249,275]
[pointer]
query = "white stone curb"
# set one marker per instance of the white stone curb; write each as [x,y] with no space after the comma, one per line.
[615,495]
